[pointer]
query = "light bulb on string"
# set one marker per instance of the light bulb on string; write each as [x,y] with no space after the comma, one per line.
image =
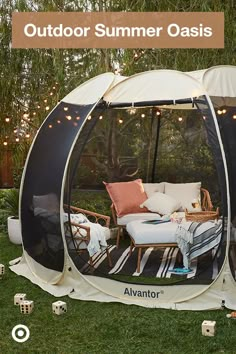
[143,115]
[17,140]
[5,143]
[27,136]
[120,121]
[47,108]
[180,119]
[100,117]
[68,117]
[7,119]
[25,115]
[131,111]
[219,112]
[65,108]
[234,116]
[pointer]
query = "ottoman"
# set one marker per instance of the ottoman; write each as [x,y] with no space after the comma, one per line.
[144,235]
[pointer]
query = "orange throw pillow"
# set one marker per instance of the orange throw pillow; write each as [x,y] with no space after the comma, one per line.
[127,196]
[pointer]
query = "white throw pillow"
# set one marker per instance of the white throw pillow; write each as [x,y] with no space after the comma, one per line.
[161,203]
[186,193]
[151,188]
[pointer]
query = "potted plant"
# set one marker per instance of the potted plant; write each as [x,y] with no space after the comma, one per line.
[11,206]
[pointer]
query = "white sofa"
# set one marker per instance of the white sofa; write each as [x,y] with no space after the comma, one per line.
[165,198]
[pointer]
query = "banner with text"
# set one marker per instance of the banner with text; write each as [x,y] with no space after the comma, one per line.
[118,30]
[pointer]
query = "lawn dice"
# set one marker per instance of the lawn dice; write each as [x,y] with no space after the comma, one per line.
[59,307]
[18,298]
[26,306]
[2,270]
[208,328]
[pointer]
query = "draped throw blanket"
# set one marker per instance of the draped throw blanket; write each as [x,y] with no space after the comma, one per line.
[196,238]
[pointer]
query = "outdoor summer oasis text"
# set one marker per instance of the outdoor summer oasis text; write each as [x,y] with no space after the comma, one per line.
[101,30]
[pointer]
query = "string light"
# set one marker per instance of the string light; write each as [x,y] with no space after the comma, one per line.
[158,112]
[224,111]
[131,111]
[100,117]
[142,115]
[50,126]
[89,117]
[65,108]
[25,122]
[234,116]
[219,112]
[180,119]
[77,118]
[68,117]
[120,120]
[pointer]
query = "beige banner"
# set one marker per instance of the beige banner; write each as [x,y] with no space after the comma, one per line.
[118,30]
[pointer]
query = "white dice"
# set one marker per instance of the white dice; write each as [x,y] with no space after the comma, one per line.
[208,328]
[2,270]
[59,307]
[18,298]
[26,306]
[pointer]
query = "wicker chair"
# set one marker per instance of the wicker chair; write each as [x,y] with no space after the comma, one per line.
[81,236]
[206,205]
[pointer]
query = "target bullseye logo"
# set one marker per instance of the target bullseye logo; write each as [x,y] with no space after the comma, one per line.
[20,333]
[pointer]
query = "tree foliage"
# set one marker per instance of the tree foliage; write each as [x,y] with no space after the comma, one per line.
[29,76]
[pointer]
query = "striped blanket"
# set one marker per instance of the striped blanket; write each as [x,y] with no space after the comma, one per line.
[195,238]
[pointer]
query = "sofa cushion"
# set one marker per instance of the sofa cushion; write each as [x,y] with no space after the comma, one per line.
[186,193]
[161,203]
[152,234]
[151,188]
[124,220]
[127,196]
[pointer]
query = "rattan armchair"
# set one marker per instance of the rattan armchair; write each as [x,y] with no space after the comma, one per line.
[81,236]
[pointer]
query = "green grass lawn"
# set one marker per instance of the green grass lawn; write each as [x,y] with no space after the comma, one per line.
[90,327]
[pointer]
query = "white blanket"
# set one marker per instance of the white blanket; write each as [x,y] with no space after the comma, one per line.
[195,238]
[98,235]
